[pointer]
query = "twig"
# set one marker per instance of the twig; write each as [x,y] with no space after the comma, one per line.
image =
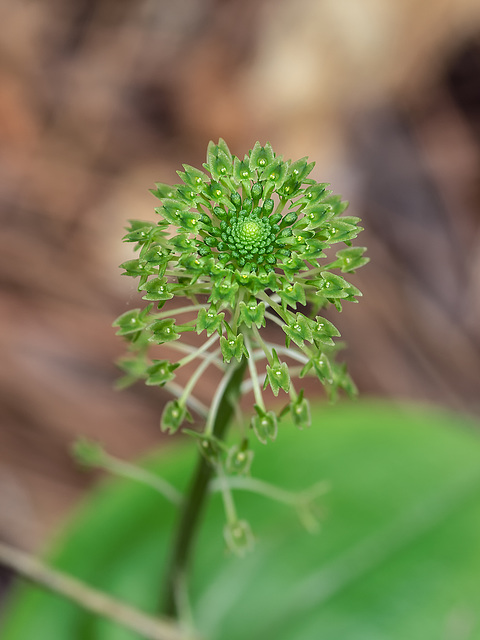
[91,599]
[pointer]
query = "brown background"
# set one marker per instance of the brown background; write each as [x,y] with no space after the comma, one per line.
[100,99]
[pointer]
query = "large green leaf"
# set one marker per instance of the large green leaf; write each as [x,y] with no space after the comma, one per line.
[397,557]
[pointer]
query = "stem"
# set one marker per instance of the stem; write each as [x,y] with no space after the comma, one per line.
[257,392]
[89,598]
[126,470]
[198,352]
[192,508]
[237,310]
[281,205]
[190,350]
[273,318]
[177,310]
[262,344]
[196,376]
[291,353]
[268,490]
[192,402]
[217,398]
[228,503]
[270,301]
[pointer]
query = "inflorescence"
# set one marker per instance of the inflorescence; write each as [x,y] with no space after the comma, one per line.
[243,243]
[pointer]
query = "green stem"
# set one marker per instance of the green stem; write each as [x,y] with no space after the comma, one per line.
[195,354]
[177,310]
[194,378]
[269,300]
[184,536]
[281,205]
[257,391]
[126,470]
[144,625]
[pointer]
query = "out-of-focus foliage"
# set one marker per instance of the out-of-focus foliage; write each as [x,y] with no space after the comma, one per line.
[397,556]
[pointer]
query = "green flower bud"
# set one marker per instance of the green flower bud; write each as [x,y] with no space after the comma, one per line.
[238,537]
[277,375]
[265,425]
[173,416]
[160,372]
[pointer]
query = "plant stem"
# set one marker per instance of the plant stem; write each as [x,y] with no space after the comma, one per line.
[184,535]
[126,470]
[89,598]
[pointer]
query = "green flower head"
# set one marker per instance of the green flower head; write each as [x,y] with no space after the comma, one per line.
[245,241]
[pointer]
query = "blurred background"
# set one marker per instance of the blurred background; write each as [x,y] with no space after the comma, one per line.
[100,99]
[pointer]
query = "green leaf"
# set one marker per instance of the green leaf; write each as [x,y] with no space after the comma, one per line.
[323,331]
[397,557]
[209,321]
[195,265]
[139,231]
[225,291]
[232,347]
[313,195]
[156,289]
[291,294]
[314,250]
[298,329]
[275,172]
[292,265]
[219,156]
[194,178]
[317,215]
[242,171]
[331,285]
[343,229]
[137,267]
[163,190]
[183,244]
[323,368]
[188,197]
[350,259]
[210,447]
[131,322]
[264,425]
[164,331]
[219,165]
[300,411]
[277,375]
[173,416]
[239,459]
[252,313]
[290,188]
[160,372]
[335,201]
[155,255]
[341,380]
[134,367]
[260,157]
[300,169]
[216,192]
[238,537]
[224,147]
[189,220]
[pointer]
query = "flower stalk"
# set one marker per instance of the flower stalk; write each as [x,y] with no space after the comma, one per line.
[245,242]
[192,507]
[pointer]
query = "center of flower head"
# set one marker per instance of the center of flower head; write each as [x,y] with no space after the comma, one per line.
[250,230]
[247,234]
[248,238]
